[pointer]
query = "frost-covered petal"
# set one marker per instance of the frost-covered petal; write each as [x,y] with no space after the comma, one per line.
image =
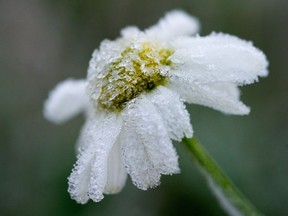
[66,100]
[89,176]
[147,148]
[173,112]
[175,23]
[117,175]
[89,114]
[80,177]
[106,136]
[81,141]
[218,58]
[131,32]
[220,96]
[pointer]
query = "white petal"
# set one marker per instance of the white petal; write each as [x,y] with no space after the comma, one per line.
[66,100]
[172,111]
[218,58]
[89,114]
[175,23]
[147,148]
[117,174]
[80,177]
[89,176]
[81,142]
[107,136]
[220,96]
[130,32]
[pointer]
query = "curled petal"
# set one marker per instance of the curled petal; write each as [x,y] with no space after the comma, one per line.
[172,111]
[218,58]
[66,100]
[89,176]
[175,23]
[147,148]
[105,137]
[79,179]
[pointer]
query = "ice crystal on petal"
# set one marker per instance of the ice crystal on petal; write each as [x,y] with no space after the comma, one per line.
[224,99]
[218,58]
[148,151]
[137,86]
[172,111]
[89,176]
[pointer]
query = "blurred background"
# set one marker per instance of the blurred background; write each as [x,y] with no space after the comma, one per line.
[43,42]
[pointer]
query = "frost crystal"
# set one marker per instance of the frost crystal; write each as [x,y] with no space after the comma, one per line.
[138,69]
[134,100]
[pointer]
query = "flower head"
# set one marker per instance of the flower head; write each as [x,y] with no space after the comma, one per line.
[134,97]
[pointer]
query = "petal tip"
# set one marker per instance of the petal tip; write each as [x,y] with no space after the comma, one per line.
[175,23]
[67,99]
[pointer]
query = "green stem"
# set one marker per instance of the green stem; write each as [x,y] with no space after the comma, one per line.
[231,199]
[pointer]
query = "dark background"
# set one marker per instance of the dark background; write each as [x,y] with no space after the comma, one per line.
[43,42]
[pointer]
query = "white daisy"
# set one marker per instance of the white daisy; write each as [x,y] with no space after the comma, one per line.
[134,99]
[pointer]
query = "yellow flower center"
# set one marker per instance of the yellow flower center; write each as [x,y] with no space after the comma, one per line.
[136,71]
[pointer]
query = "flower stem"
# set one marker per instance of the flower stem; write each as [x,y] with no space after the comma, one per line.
[231,199]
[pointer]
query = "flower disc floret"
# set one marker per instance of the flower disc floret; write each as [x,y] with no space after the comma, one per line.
[138,69]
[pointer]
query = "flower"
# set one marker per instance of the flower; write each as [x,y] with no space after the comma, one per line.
[134,97]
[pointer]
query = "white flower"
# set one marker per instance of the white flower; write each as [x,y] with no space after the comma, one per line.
[134,100]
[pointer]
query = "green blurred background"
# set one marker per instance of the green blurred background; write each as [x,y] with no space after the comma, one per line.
[43,42]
